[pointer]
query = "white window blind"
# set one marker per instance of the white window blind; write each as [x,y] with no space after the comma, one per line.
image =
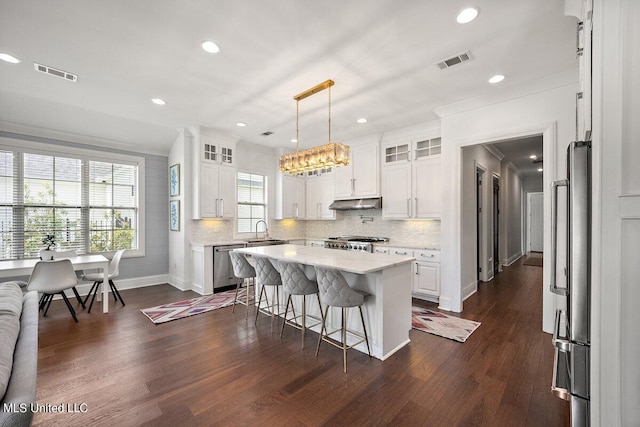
[88,206]
[252,205]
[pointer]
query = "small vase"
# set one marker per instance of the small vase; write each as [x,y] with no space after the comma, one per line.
[47,254]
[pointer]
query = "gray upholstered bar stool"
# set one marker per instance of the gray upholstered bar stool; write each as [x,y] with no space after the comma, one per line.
[336,292]
[245,271]
[267,275]
[296,282]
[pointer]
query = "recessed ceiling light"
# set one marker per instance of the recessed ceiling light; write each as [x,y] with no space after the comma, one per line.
[158,101]
[210,47]
[539,169]
[467,15]
[294,140]
[362,120]
[533,157]
[241,124]
[496,79]
[8,58]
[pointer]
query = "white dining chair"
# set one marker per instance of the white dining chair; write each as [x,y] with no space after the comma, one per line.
[50,278]
[97,278]
[48,255]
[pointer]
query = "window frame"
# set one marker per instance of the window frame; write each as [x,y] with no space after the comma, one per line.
[265,204]
[51,149]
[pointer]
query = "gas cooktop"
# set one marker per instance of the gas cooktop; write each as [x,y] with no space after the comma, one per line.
[364,239]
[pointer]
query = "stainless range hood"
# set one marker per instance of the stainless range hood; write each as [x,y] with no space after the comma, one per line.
[356,204]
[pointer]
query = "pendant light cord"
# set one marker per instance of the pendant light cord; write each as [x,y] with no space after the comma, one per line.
[329,114]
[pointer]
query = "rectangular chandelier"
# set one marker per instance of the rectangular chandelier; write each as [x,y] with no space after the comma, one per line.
[325,156]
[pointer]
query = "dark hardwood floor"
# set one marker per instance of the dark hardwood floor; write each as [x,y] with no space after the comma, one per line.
[218,369]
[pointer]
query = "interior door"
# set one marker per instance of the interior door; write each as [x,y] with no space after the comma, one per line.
[496,225]
[536,223]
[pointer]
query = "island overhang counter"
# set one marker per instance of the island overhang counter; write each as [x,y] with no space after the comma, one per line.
[387,279]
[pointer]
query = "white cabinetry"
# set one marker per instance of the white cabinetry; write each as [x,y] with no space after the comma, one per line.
[411,179]
[217,191]
[292,198]
[396,191]
[426,283]
[215,178]
[320,194]
[583,96]
[427,188]
[360,178]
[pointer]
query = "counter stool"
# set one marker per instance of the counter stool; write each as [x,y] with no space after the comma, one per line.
[336,292]
[267,275]
[296,282]
[245,271]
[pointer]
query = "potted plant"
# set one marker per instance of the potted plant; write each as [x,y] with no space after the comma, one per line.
[49,240]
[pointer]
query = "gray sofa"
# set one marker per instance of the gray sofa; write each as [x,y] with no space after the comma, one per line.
[18,354]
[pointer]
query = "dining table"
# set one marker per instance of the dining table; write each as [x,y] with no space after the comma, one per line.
[24,267]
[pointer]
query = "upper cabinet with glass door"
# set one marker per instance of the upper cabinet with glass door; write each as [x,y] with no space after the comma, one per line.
[217,150]
[416,149]
[411,178]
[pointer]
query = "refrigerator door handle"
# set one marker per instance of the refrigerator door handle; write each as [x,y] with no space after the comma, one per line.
[554,236]
[560,342]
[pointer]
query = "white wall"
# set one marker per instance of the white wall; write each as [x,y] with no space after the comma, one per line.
[511,218]
[550,112]
[472,157]
[615,341]
[179,257]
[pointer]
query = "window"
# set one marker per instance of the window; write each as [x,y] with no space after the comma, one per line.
[86,204]
[252,205]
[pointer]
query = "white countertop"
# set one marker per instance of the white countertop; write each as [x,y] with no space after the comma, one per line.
[351,261]
[219,243]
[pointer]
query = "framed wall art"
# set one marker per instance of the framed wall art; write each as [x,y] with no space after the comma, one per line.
[174,180]
[174,215]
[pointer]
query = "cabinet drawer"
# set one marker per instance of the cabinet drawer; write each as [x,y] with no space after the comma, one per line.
[400,251]
[429,255]
[379,250]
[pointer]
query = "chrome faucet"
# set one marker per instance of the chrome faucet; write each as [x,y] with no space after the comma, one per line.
[266,230]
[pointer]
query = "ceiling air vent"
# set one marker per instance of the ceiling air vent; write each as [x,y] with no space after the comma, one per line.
[450,62]
[267,133]
[55,72]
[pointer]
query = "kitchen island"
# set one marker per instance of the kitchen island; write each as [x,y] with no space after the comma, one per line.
[386,278]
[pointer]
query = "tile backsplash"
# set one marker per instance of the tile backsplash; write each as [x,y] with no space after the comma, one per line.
[414,232]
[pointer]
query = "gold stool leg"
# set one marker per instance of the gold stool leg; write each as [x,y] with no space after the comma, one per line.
[364,328]
[323,328]
[344,339]
[286,310]
[304,316]
[235,299]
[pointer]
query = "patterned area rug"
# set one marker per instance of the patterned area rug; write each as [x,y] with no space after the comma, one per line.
[191,307]
[442,325]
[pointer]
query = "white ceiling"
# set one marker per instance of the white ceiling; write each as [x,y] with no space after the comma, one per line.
[518,152]
[380,53]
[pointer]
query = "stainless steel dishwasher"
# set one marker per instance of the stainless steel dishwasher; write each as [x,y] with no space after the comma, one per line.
[222,269]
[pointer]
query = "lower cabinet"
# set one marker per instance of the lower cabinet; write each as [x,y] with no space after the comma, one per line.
[426,280]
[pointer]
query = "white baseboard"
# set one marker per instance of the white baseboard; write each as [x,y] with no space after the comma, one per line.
[513,258]
[133,283]
[444,303]
[469,290]
[180,284]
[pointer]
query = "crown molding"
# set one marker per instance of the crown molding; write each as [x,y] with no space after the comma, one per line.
[543,84]
[46,133]
[494,151]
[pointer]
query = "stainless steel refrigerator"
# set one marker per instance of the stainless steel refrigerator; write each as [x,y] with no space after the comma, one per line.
[572,332]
